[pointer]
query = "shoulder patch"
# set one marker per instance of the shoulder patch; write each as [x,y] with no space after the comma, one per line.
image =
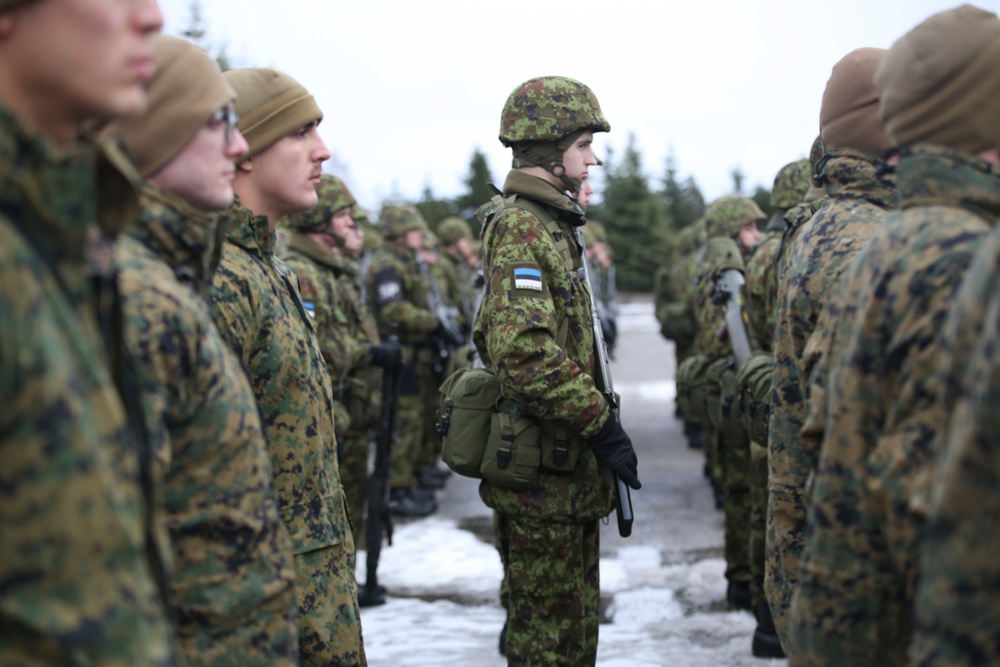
[388,286]
[529,278]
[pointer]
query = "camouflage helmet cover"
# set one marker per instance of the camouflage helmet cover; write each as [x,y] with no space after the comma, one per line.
[550,108]
[597,231]
[396,221]
[727,215]
[451,229]
[791,184]
[333,196]
[689,238]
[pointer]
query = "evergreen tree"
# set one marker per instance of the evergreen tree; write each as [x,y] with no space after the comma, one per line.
[763,198]
[478,183]
[196,33]
[684,201]
[738,177]
[433,209]
[637,221]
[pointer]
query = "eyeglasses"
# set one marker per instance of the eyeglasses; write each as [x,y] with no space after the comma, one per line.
[229,119]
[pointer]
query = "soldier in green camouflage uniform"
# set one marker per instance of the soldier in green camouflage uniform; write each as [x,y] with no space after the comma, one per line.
[232,585]
[675,313]
[80,569]
[871,418]
[861,191]
[321,251]
[399,293]
[259,312]
[732,228]
[456,248]
[550,532]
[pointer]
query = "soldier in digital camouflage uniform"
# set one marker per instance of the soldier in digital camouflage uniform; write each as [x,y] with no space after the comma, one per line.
[955,617]
[321,250]
[550,532]
[732,228]
[861,190]
[399,293]
[231,590]
[257,307]
[80,570]
[872,414]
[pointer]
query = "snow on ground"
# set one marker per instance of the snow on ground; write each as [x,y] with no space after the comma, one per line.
[443,609]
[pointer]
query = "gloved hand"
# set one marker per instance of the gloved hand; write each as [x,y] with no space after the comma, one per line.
[450,335]
[387,355]
[613,448]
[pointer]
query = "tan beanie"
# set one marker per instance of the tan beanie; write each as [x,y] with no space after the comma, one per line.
[940,83]
[849,116]
[184,93]
[271,104]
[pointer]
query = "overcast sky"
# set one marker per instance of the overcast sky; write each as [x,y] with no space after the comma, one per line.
[409,88]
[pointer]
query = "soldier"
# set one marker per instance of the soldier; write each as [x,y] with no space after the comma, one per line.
[259,312]
[322,251]
[549,532]
[790,187]
[600,257]
[861,190]
[232,586]
[80,568]
[675,313]
[732,226]
[874,425]
[456,248]
[399,291]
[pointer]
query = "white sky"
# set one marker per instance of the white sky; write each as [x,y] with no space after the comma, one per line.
[410,88]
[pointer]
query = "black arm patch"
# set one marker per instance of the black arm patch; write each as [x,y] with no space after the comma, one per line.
[388,286]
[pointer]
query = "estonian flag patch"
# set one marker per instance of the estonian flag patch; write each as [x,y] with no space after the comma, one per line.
[525,278]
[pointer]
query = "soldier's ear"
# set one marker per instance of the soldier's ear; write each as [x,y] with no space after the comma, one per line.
[246,166]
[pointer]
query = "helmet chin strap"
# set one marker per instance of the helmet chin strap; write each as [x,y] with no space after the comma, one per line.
[549,156]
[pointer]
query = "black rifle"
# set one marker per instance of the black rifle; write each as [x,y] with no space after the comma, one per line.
[447,317]
[379,517]
[604,383]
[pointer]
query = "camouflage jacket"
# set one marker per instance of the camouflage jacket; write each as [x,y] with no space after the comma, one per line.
[462,287]
[712,339]
[361,326]
[762,287]
[516,335]
[399,292]
[260,314]
[859,197]
[878,422]
[77,585]
[955,608]
[231,552]
[317,280]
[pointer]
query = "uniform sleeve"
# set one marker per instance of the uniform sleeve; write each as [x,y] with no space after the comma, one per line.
[525,281]
[388,293]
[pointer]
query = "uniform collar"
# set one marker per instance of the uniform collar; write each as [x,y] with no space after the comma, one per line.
[938,176]
[250,231]
[855,174]
[532,187]
[302,243]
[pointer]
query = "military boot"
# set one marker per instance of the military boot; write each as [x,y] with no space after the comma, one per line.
[765,637]
[403,502]
[738,596]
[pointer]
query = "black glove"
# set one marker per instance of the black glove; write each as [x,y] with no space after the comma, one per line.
[449,335]
[387,355]
[613,448]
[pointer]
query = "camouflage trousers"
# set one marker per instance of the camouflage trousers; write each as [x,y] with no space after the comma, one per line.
[553,597]
[734,461]
[263,637]
[784,542]
[430,447]
[354,478]
[758,513]
[329,620]
[407,442]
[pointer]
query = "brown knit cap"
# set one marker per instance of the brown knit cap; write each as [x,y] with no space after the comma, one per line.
[940,82]
[271,104]
[184,93]
[849,116]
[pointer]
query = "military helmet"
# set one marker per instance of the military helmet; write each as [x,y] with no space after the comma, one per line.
[450,230]
[791,184]
[689,238]
[728,214]
[395,221]
[333,195]
[549,108]
[597,230]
